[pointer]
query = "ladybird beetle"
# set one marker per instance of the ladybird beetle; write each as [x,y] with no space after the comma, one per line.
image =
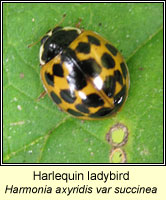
[83,73]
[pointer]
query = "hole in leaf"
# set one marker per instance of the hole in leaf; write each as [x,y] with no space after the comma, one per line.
[117,135]
[117,155]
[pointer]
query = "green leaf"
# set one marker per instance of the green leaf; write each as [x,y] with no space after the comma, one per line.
[37,132]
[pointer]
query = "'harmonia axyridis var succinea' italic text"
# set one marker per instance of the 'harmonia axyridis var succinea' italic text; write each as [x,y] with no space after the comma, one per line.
[83,73]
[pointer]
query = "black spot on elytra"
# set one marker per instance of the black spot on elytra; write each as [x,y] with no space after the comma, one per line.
[90,67]
[112,49]
[76,78]
[124,69]
[120,97]
[101,112]
[67,96]
[75,113]
[69,56]
[107,61]
[93,40]
[49,79]
[118,77]
[93,100]
[55,98]
[83,47]
[109,86]
[58,70]
[82,108]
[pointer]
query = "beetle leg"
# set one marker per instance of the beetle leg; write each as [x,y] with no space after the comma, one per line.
[42,95]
